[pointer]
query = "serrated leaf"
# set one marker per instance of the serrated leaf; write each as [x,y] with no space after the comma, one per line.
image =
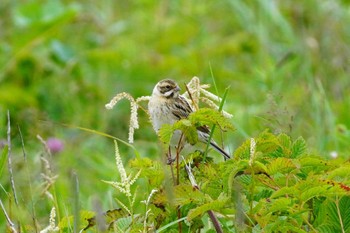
[280,165]
[214,205]
[325,228]
[282,225]
[280,204]
[263,194]
[85,220]
[298,147]
[344,209]
[242,152]
[340,173]
[284,140]
[208,116]
[121,223]
[165,133]
[189,126]
[313,164]
[185,194]
[284,191]
[259,167]
[332,215]
[266,143]
[107,218]
[245,179]
[312,192]
[188,129]
[151,169]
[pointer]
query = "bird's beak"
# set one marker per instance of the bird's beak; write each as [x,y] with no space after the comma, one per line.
[177,88]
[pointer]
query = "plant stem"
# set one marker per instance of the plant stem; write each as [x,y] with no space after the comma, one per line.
[339,214]
[215,221]
[178,150]
[211,214]
[9,222]
[29,180]
[179,217]
[9,157]
[214,126]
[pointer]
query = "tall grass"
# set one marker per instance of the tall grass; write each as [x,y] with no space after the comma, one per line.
[61,61]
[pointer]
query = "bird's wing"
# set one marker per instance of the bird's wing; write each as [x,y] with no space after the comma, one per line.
[182,108]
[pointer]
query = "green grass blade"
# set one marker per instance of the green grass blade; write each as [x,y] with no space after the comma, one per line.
[104,135]
[3,159]
[214,126]
[170,224]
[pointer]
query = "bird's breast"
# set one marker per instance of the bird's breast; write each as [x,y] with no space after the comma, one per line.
[160,113]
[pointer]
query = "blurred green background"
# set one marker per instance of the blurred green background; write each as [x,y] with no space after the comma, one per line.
[286,63]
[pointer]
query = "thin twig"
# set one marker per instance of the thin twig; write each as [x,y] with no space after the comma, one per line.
[178,150]
[10,157]
[211,213]
[48,175]
[190,95]
[170,163]
[179,217]
[10,223]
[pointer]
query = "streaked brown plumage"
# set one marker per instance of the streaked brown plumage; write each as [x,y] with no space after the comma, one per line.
[167,106]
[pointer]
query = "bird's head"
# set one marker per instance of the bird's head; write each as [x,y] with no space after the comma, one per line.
[166,88]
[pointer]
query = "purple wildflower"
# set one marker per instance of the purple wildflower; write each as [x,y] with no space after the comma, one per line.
[55,145]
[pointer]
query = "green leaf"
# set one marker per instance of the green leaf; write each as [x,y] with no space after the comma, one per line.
[313,164]
[266,142]
[340,173]
[151,169]
[333,216]
[312,192]
[3,159]
[243,152]
[188,129]
[280,165]
[185,194]
[189,126]
[280,204]
[165,133]
[284,191]
[87,220]
[122,224]
[259,167]
[284,140]
[214,205]
[298,147]
[283,225]
[263,194]
[208,116]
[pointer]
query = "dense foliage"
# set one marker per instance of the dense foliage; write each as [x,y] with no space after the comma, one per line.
[286,67]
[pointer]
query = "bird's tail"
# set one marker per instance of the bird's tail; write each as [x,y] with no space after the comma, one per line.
[221,151]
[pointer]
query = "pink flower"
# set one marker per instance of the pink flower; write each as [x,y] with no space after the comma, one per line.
[55,145]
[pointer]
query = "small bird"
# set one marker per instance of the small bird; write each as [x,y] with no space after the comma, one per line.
[167,106]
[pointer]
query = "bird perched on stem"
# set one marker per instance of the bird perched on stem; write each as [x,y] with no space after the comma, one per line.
[166,106]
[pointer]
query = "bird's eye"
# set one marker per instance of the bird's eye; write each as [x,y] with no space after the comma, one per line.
[167,86]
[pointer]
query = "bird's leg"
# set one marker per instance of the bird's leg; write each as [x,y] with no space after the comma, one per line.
[179,148]
[170,160]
